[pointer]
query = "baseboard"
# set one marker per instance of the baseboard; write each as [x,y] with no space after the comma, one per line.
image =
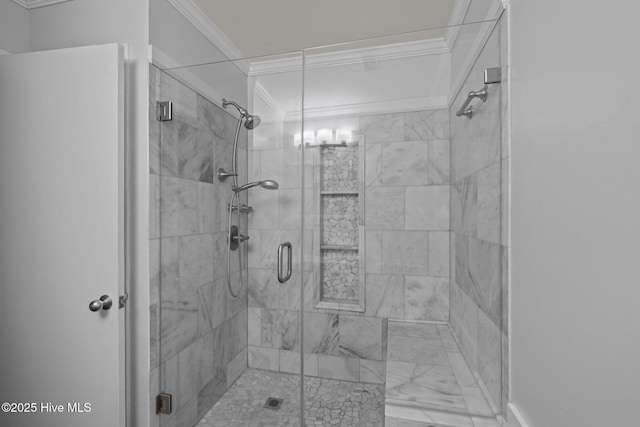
[514,418]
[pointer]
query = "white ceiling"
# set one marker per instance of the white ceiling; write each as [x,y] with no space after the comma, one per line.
[264,27]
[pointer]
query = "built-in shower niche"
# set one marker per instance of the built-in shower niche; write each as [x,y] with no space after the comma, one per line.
[338,225]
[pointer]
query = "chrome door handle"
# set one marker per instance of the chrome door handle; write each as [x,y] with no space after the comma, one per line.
[104,303]
[287,245]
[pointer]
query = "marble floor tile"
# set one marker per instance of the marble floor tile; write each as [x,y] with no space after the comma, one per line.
[327,402]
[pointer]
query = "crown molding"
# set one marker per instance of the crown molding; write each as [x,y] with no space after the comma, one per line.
[32,4]
[203,24]
[261,92]
[351,56]
[372,108]
[460,8]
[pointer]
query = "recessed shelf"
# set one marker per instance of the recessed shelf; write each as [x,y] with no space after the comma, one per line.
[339,193]
[339,247]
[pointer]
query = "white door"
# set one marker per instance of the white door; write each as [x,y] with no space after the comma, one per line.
[61,237]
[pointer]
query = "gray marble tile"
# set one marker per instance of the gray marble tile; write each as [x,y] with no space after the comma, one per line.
[264,358]
[411,349]
[439,253]
[384,208]
[264,289]
[215,120]
[427,416]
[373,251]
[360,337]
[254,322]
[448,341]
[489,357]
[154,336]
[427,207]
[385,296]
[382,128]
[338,368]
[235,368]
[321,333]
[426,298]
[196,252]
[154,206]
[423,331]
[405,163]
[426,125]
[439,162]
[405,252]
[290,361]
[179,206]
[417,385]
[372,371]
[489,203]
[187,375]
[280,329]
[484,270]
[185,100]
[373,164]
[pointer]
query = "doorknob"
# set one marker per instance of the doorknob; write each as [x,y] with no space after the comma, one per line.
[104,303]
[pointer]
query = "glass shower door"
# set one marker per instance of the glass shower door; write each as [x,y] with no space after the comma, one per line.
[225,193]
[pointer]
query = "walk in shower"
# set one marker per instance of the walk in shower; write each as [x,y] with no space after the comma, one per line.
[385,206]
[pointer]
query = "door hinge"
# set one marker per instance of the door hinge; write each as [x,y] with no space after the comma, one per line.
[122,300]
[163,403]
[164,111]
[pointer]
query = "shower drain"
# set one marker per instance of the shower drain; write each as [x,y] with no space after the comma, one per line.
[273,403]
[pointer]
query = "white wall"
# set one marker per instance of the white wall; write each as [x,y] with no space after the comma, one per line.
[13,27]
[575,212]
[85,22]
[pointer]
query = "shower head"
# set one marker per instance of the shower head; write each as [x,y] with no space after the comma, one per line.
[250,122]
[267,184]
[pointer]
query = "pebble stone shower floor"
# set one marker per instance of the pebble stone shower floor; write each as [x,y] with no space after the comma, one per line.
[328,402]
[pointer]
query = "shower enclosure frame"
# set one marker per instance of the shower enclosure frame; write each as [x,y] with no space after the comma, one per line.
[303,165]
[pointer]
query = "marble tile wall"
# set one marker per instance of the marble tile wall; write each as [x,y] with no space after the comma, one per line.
[479,196]
[407,232]
[198,331]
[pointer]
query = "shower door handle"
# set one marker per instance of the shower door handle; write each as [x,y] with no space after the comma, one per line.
[287,245]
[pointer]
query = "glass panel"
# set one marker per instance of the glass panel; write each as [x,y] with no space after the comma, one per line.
[393,206]
[386,200]
[227,328]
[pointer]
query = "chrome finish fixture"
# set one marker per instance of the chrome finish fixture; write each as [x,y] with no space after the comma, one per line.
[266,184]
[104,303]
[465,110]
[281,247]
[223,175]
[164,111]
[233,238]
[233,234]
[243,209]
[240,238]
[492,75]
[250,121]
[163,404]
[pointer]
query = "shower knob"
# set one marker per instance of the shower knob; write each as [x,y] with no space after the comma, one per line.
[104,303]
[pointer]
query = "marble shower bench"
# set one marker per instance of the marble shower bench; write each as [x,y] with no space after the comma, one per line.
[428,381]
